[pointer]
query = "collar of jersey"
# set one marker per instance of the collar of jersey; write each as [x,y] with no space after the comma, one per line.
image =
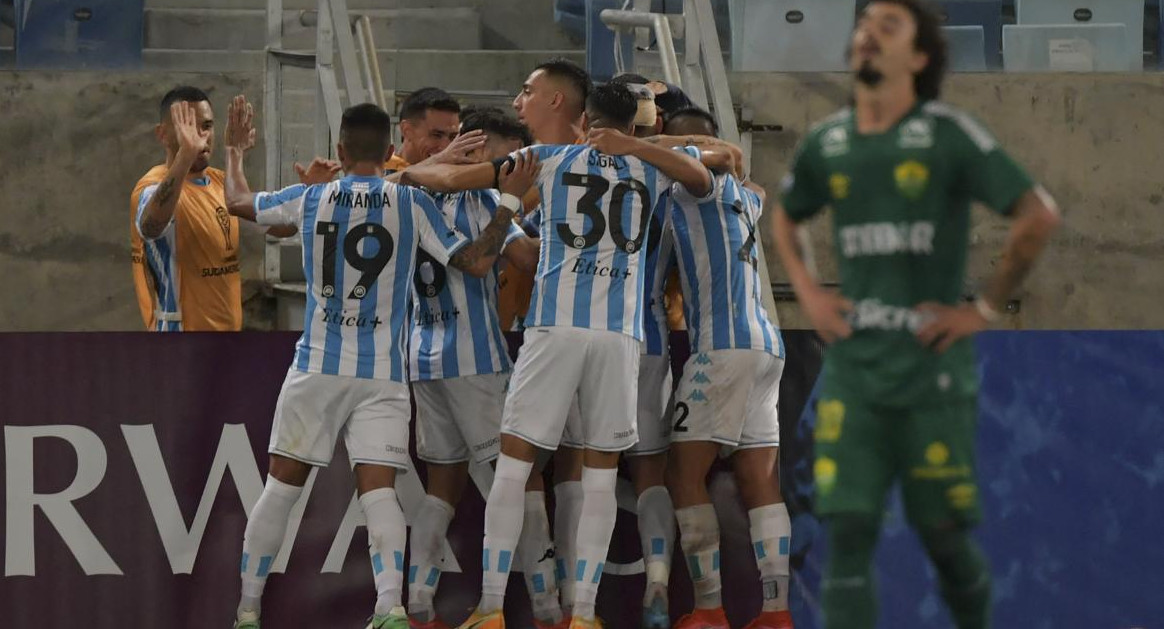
[201,181]
[363,177]
[917,107]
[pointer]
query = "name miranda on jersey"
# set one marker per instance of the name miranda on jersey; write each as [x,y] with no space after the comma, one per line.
[583,266]
[338,317]
[347,198]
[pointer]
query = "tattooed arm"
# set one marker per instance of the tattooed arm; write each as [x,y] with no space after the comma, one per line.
[159,210]
[478,257]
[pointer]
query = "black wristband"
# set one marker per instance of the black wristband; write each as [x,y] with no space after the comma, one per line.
[497,164]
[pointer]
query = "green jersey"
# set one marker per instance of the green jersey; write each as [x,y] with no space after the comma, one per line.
[901,211]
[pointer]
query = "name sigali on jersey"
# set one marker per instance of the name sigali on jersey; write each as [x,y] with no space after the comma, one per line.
[583,266]
[357,199]
[879,239]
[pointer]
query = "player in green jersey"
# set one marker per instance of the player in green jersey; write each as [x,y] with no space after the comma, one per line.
[899,400]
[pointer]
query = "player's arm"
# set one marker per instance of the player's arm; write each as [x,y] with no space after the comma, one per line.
[240,138]
[522,252]
[1036,217]
[677,165]
[702,142]
[805,195]
[478,257]
[153,219]
[450,177]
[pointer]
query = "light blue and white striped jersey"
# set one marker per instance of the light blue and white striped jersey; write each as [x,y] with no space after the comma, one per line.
[596,210]
[360,240]
[455,328]
[657,265]
[718,258]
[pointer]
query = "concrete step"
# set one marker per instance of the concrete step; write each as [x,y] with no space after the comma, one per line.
[506,24]
[245,29]
[479,70]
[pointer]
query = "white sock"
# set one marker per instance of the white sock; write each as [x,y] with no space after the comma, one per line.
[771,541]
[425,556]
[699,531]
[387,532]
[536,552]
[504,512]
[657,533]
[599,510]
[264,535]
[567,511]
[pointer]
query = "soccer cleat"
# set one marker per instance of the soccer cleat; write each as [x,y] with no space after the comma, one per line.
[564,624]
[704,619]
[492,620]
[435,623]
[578,622]
[655,615]
[772,620]
[247,620]
[395,619]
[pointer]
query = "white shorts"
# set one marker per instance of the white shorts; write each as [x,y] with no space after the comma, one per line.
[729,396]
[557,363]
[314,410]
[573,436]
[655,407]
[459,418]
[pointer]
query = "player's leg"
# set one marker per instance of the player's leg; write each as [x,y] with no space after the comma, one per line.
[941,500]
[710,409]
[376,437]
[757,476]
[568,503]
[441,445]
[543,384]
[607,398]
[853,471]
[301,437]
[647,464]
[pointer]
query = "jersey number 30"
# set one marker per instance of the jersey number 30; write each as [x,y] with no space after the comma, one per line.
[596,188]
[369,267]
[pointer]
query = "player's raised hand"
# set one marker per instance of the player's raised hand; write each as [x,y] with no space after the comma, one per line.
[191,140]
[319,171]
[827,311]
[240,124]
[611,142]
[947,325]
[460,150]
[518,177]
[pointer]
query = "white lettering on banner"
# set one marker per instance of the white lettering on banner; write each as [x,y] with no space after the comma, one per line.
[22,500]
[179,542]
[234,453]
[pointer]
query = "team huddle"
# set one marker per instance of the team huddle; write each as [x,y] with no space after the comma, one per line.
[598,220]
[402,279]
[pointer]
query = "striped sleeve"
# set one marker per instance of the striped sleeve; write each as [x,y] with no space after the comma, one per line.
[284,207]
[437,237]
[142,202]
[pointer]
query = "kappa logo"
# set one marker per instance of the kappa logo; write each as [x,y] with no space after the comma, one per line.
[697,396]
[700,378]
[702,359]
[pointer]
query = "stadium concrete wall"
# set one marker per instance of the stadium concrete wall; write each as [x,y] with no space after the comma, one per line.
[74,144]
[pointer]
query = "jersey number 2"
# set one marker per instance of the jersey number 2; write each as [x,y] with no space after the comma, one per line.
[369,267]
[596,188]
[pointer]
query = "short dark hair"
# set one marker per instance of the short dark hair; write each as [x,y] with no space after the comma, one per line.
[419,102]
[614,103]
[366,132]
[693,112]
[180,94]
[572,73]
[496,121]
[930,40]
[630,77]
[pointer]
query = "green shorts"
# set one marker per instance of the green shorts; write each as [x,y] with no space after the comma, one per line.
[863,448]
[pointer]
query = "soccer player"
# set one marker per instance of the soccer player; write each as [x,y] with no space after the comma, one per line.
[184,243]
[430,120]
[460,370]
[583,331]
[729,390]
[348,376]
[898,403]
[551,103]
